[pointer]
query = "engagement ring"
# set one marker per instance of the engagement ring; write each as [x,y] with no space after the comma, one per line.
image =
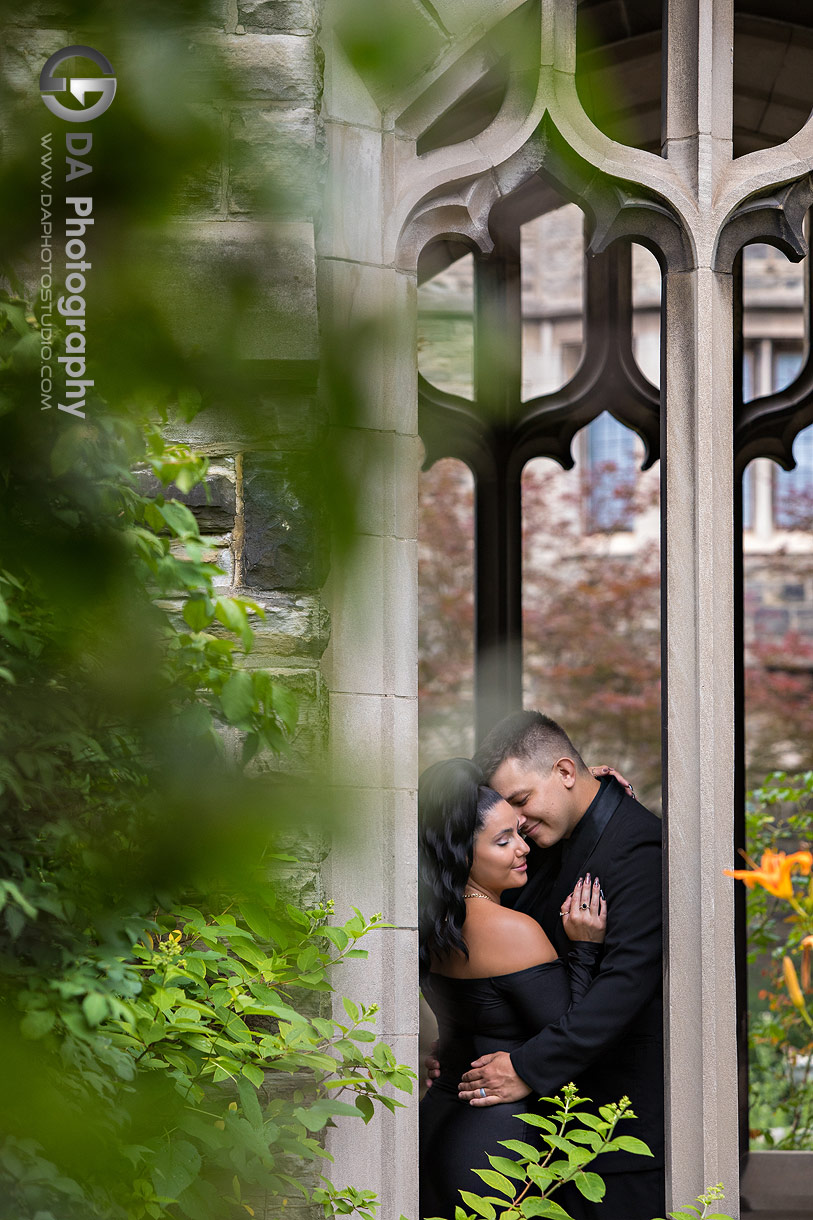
[482,1092]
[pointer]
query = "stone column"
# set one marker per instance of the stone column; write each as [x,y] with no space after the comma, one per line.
[371,663]
[698,634]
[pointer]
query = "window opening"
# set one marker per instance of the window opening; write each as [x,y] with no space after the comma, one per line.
[646,312]
[778,665]
[446,612]
[446,328]
[773,62]
[552,254]
[610,475]
[591,615]
[618,70]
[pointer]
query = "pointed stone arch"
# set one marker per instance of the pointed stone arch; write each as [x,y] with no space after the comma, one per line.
[694,206]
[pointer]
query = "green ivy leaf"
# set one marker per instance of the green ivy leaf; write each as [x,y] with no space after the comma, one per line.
[525,1150]
[94,1006]
[257,919]
[255,1074]
[198,612]
[628,1143]
[536,1120]
[511,1168]
[497,1182]
[350,1008]
[481,1206]
[543,1207]
[175,1167]
[179,518]
[590,1185]
[237,697]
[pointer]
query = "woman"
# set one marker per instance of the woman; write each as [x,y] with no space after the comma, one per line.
[489,973]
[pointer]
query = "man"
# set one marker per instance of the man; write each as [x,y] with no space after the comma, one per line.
[611,1042]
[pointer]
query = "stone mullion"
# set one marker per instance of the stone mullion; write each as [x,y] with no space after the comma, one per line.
[698,665]
[697,505]
[698,110]
[498,514]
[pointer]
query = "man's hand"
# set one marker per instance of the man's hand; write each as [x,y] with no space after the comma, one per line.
[432,1064]
[495,1074]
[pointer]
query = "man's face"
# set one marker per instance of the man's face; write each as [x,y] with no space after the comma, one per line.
[542,800]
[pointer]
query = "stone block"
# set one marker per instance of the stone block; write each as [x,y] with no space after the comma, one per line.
[212,502]
[401,619]
[374,1157]
[354,222]
[245,289]
[272,67]
[201,195]
[294,626]
[217,551]
[369,823]
[356,598]
[25,53]
[300,886]
[374,740]
[346,96]
[461,16]
[276,162]
[374,603]
[279,16]
[274,412]
[390,44]
[374,310]
[307,745]
[286,543]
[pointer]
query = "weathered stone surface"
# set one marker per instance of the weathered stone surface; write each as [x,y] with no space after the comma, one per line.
[278,417]
[286,537]
[25,54]
[276,162]
[217,551]
[202,194]
[294,626]
[276,67]
[307,746]
[240,286]
[212,502]
[288,16]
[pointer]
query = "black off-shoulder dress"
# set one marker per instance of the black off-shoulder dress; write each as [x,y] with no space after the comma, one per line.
[476,1017]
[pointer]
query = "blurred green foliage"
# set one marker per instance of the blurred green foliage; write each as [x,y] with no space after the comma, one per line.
[165,1008]
[154,982]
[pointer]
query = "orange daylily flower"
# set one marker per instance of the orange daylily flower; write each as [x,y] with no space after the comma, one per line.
[774,872]
[792,983]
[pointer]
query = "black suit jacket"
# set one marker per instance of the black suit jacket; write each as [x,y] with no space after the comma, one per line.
[611,1042]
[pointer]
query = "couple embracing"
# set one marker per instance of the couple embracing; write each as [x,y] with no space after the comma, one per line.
[541,956]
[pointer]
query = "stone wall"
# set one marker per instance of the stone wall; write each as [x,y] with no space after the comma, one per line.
[236,270]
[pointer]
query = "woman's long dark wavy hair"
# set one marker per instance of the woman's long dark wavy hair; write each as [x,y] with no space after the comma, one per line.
[452,803]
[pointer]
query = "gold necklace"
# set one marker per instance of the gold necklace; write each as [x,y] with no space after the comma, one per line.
[477,894]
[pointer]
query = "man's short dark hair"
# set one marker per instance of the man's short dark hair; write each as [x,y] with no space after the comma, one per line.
[530,737]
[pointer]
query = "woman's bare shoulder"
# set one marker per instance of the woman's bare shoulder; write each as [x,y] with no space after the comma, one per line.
[501,940]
